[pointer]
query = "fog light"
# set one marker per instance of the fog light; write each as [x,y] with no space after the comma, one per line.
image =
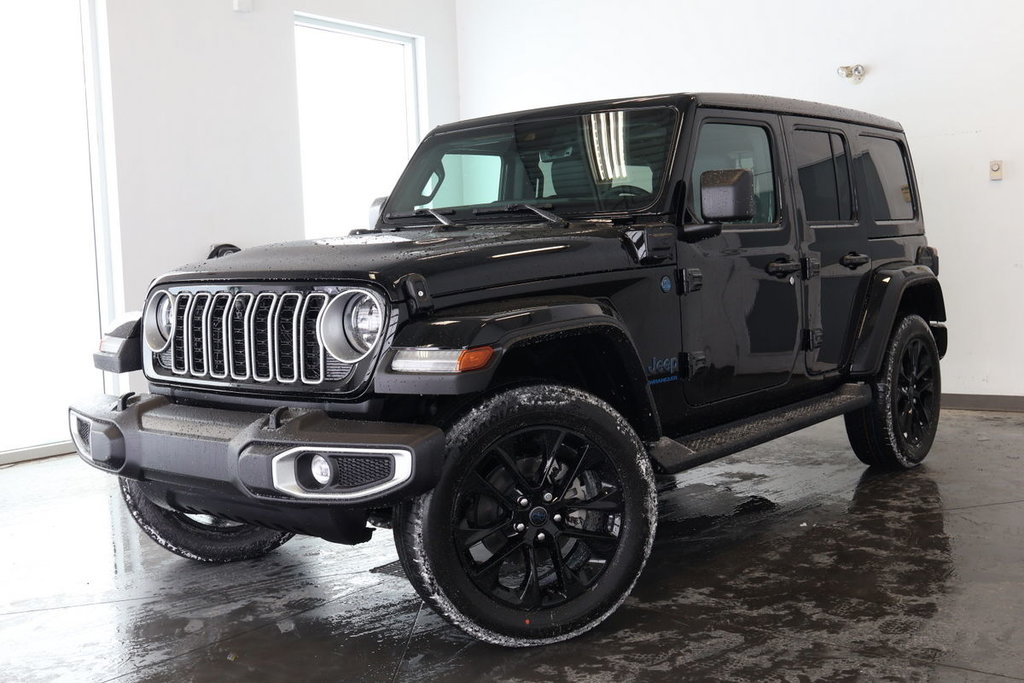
[320,468]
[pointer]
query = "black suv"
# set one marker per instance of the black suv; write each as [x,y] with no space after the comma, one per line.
[552,307]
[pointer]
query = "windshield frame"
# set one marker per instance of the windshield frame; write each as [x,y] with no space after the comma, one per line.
[465,214]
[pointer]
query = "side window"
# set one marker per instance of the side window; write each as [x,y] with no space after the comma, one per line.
[823,174]
[885,179]
[466,179]
[730,146]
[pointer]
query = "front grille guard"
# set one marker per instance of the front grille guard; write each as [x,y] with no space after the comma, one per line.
[257,337]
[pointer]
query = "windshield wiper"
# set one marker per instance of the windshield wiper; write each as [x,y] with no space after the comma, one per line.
[441,216]
[536,208]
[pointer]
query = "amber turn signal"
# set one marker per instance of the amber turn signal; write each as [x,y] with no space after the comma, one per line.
[474,359]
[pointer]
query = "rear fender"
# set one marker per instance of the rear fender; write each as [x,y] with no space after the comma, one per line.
[895,291]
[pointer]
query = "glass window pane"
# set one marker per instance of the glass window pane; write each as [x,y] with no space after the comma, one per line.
[354,122]
[726,146]
[468,179]
[812,155]
[48,278]
[842,177]
[885,178]
[603,161]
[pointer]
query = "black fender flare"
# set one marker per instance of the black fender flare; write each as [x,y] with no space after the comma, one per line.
[510,325]
[892,289]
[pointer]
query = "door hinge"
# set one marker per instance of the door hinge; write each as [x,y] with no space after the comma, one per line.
[811,267]
[651,245]
[812,339]
[691,280]
[693,362]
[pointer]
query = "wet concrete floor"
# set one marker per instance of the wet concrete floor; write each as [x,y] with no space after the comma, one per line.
[785,562]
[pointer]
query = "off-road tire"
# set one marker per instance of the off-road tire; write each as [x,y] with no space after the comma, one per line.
[425,530]
[190,538]
[875,431]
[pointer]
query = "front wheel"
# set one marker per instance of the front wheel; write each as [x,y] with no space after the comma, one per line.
[542,521]
[897,429]
[198,537]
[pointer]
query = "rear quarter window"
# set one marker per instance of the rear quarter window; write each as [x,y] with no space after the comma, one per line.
[883,164]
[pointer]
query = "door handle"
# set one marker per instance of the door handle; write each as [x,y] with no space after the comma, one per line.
[782,268]
[854,260]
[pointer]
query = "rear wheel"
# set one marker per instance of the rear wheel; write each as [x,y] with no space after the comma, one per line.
[198,537]
[897,430]
[542,522]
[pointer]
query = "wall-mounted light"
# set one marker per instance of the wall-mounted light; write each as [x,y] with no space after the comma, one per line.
[855,73]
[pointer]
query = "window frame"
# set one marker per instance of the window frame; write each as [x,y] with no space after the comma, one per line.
[712,118]
[850,178]
[911,185]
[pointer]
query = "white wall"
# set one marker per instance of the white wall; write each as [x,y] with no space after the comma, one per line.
[205,119]
[949,71]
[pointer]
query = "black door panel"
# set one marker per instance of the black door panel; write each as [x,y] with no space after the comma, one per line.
[744,323]
[827,216]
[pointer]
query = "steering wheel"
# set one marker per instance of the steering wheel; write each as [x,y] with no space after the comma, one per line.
[624,196]
[626,191]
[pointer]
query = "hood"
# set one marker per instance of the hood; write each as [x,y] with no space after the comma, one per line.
[451,261]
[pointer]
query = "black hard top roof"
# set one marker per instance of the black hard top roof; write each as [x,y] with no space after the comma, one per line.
[779,105]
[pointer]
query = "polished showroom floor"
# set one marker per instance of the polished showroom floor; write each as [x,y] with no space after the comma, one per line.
[786,562]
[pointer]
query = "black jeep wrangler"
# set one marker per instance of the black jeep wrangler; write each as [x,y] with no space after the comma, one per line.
[552,307]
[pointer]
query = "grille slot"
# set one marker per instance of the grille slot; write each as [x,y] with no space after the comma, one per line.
[286,335]
[262,337]
[261,334]
[216,335]
[179,358]
[238,336]
[310,351]
[196,327]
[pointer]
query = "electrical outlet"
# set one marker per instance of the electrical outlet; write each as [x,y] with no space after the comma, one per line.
[995,170]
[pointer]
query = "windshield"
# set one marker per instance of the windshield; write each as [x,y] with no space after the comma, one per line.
[605,161]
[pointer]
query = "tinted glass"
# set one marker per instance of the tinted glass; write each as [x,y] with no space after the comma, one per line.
[885,180]
[823,174]
[842,160]
[816,172]
[605,161]
[730,146]
[468,179]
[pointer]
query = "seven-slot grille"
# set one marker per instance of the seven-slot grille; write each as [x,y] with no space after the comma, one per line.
[244,336]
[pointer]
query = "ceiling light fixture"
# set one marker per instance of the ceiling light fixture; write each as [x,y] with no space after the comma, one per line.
[855,73]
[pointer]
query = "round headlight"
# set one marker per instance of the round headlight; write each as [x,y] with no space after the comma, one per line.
[159,321]
[363,322]
[351,325]
[164,320]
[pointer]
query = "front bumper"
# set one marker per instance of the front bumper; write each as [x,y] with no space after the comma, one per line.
[253,467]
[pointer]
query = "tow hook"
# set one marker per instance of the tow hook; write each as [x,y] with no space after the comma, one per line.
[123,400]
[274,419]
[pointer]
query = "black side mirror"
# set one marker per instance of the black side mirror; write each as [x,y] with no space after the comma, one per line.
[376,206]
[727,196]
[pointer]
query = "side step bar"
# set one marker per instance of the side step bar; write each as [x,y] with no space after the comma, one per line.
[676,455]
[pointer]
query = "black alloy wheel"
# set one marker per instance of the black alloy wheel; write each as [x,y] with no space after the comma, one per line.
[542,520]
[897,429]
[538,516]
[915,392]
